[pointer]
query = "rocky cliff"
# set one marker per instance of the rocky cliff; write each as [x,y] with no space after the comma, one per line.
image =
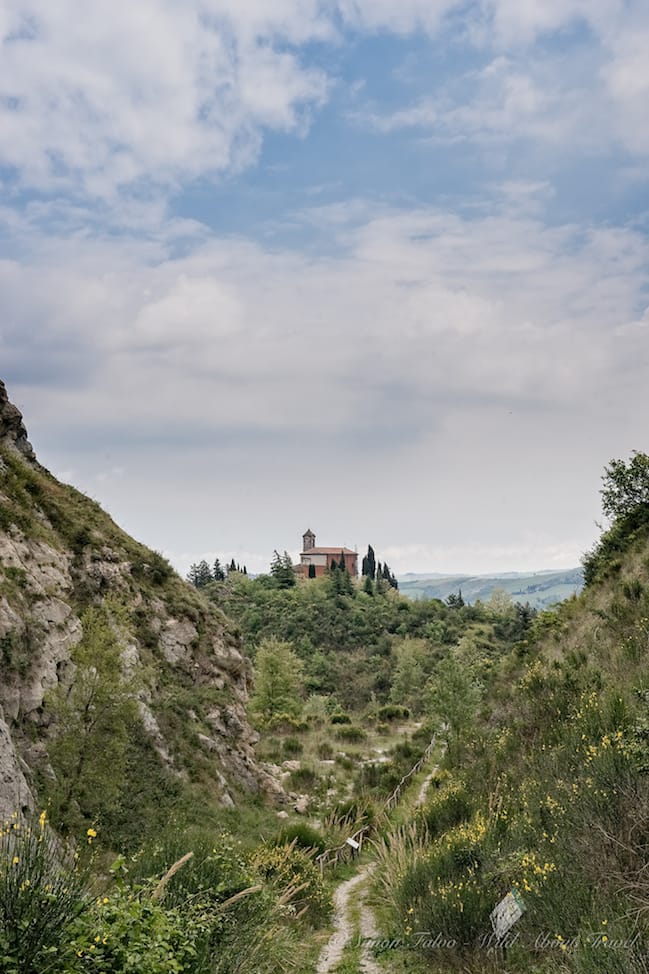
[61,555]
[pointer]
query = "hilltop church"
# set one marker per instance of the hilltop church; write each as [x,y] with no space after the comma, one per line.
[323,558]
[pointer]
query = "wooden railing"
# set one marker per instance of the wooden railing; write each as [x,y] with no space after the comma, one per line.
[347,851]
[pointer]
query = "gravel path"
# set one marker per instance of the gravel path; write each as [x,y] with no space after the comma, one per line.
[344,928]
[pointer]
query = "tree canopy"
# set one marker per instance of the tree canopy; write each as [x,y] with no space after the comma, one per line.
[626,485]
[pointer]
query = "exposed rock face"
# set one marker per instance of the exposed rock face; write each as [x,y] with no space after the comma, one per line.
[60,554]
[12,429]
[15,794]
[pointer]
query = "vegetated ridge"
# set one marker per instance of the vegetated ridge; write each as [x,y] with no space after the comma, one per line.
[544,788]
[93,623]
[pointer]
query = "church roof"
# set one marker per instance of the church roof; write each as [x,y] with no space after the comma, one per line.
[329,551]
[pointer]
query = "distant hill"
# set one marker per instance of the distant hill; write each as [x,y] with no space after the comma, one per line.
[540,589]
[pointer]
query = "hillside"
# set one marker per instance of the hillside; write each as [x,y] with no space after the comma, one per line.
[544,790]
[92,620]
[540,589]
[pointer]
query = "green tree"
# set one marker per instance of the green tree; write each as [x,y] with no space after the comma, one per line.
[369,563]
[93,721]
[279,681]
[453,695]
[281,569]
[626,485]
[218,572]
[455,601]
[500,602]
[408,680]
[312,571]
[200,575]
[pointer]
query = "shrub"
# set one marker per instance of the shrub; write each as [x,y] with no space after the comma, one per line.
[288,867]
[449,807]
[325,751]
[353,735]
[304,777]
[129,932]
[303,835]
[341,718]
[42,890]
[393,711]
[292,746]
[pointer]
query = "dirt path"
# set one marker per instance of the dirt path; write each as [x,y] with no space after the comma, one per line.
[423,791]
[345,929]
[369,933]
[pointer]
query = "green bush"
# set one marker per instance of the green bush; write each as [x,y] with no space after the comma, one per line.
[325,751]
[42,891]
[603,560]
[354,735]
[393,712]
[448,807]
[341,719]
[288,867]
[305,778]
[292,745]
[303,835]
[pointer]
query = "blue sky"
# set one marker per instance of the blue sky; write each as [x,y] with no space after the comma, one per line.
[375,267]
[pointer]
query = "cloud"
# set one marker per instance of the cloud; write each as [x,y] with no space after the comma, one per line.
[442,365]
[421,313]
[99,97]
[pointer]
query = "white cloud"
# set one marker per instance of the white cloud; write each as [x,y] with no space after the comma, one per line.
[99,96]
[472,374]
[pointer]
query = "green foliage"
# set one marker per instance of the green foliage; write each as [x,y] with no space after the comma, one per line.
[340,718]
[353,735]
[345,641]
[42,891]
[449,805]
[626,485]
[409,674]
[292,746]
[291,867]
[369,564]
[282,571]
[94,719]
[278,681]
[303,835]
[200,574]
[393,712]
[129,932]
[605,558]
[453,697]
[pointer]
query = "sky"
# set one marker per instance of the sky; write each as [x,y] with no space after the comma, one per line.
[379,268]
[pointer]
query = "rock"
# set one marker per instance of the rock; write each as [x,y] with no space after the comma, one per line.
[12,430]
[162,627]
[292,765]
[301,806]
[15,794]
[176,640]
[283,815]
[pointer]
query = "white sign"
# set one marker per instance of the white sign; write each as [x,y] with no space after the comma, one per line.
[353,843]
[505,915]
